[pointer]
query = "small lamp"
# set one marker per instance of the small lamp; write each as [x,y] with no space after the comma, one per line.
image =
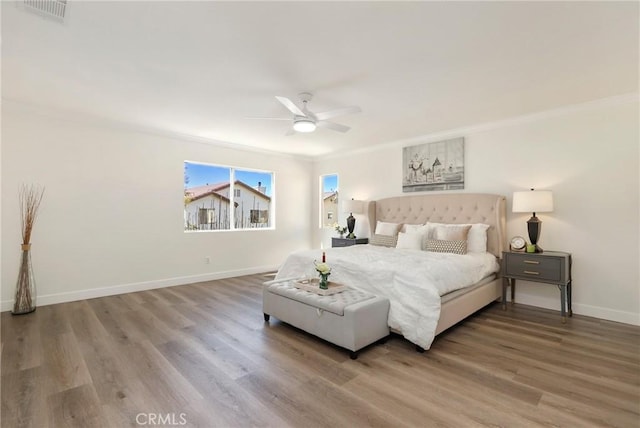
[352,206]
[533,201]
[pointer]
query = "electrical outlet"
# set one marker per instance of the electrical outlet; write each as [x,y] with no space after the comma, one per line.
[207,260]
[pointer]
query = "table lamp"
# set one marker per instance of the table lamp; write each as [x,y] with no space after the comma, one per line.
[533,201]
[352,206]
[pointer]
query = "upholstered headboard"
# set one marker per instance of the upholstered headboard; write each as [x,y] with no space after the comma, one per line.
[445,208]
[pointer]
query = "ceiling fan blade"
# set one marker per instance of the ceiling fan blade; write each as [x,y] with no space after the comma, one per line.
[337,112]
[291,106]
[332,125]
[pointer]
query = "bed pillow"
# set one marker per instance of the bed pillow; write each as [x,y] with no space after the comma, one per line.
[416,228]
[419,229]
[409,241]
[452,232]
[476,239]
[384,240]
[445,246]
[388,229]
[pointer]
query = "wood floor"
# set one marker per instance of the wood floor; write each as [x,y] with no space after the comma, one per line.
[201,355]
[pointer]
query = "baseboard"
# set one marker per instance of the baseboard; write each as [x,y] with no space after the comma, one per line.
[72,296]
[541,302]
[580,309]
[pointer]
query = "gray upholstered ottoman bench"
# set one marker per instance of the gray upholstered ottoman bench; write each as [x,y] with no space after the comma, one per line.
[351,319]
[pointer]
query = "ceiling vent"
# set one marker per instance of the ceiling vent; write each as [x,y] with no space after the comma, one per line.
[51,8]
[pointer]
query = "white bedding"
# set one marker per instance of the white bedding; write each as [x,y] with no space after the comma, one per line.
[412,280]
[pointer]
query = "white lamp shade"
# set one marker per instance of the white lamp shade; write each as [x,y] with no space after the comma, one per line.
[533,201]
[352,206]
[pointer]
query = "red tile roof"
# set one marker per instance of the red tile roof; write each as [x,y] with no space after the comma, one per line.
[198,192]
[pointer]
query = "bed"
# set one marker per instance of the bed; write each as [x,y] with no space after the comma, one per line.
[424,300]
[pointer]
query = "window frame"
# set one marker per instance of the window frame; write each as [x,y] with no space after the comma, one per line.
[271,220]
[322,215]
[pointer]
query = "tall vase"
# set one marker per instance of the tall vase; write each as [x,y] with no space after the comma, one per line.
[25,300]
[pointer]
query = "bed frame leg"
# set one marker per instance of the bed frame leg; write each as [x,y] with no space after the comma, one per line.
[266,317]
[419,349]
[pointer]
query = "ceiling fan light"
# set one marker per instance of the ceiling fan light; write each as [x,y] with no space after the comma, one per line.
[304,125]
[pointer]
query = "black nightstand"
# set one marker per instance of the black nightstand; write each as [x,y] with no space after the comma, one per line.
[551,267]
[347,242]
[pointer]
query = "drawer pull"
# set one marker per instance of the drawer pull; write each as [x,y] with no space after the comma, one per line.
[531,273]
[532,262]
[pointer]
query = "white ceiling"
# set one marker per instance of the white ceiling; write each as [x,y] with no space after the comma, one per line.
[415,68]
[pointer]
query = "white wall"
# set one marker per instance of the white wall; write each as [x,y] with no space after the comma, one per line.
[111,220]
[588,155]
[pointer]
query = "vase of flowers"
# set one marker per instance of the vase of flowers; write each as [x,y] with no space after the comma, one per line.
[324,271]
[340,229]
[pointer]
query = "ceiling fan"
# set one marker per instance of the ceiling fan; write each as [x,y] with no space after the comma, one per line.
[307,121]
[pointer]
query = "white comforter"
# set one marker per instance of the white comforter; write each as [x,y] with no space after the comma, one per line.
[412,280]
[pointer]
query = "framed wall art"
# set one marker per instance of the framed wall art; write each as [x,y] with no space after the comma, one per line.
[433,166]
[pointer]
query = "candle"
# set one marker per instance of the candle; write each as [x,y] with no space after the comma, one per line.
[324,257]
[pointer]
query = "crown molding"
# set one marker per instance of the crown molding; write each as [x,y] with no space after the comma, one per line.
[617,100]
[102,122]
[83,118]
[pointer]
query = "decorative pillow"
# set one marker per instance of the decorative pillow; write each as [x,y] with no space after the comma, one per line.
[476,239]
[384,240]
[410,241]
[452,232]
[444,246]
[388,229]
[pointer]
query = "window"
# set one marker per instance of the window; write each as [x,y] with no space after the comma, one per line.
[328,200]
[226,198]
[206,215]
[259,216]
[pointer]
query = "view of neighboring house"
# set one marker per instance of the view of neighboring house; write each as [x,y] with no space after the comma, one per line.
[207,207]
[329,208]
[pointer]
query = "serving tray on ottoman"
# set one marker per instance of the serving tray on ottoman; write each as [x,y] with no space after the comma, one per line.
[351,318]
[313,286]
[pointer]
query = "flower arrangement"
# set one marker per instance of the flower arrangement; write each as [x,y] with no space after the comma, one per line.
[323,268]
[340,229]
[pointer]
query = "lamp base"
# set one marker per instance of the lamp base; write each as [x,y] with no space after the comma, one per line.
[351,224]
[534,225]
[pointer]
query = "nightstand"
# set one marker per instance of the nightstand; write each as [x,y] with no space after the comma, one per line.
[551,267]
[347,242]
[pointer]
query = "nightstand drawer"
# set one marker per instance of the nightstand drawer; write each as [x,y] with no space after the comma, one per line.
[545,269]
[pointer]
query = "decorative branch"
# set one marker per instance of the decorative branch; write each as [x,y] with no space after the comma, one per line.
[30,198]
